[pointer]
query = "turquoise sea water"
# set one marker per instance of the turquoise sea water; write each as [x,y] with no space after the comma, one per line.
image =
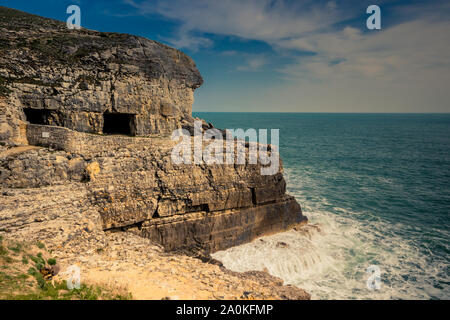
[378,187]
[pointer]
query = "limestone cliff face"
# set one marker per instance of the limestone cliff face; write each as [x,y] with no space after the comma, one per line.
[68,83]
[133,186]
[78,75]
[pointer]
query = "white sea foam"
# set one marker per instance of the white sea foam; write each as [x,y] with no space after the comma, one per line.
[329,258]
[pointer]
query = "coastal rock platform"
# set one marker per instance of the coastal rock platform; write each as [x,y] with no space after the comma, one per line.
[85,160]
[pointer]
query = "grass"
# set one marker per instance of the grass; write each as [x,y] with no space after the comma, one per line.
[16,248]
[20,286]
[18,20]
[54,46]
[21,277]
[59,291]
[40,245]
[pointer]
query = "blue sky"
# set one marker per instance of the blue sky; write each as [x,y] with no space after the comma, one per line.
[291,55]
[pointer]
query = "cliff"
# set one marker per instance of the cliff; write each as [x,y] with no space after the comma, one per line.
[85,149]
[78,75]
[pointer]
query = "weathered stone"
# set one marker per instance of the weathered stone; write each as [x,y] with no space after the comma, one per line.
[63,71]
[70,84]
[209,232]
[92,169]
[77,168]
[5,131]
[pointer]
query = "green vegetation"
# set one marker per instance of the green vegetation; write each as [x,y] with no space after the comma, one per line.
[40,245]
[18,20]
[16,248]
[20,281]
[19,287]
[3,251]
[55,45]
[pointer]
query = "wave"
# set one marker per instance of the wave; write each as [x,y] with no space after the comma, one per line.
[330,256]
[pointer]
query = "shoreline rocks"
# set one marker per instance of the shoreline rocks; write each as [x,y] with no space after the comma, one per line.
[85,150]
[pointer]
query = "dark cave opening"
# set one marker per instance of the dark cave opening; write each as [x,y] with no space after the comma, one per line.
[37,116]
[118,123]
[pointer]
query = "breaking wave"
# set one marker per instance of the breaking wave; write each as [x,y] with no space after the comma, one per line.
[330,256]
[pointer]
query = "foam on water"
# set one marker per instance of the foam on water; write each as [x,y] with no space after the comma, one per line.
[329,257]
[378,187]
[331,263]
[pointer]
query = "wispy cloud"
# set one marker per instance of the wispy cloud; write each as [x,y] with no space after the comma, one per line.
[254,63]
[251,62]
[265,20]
[408,60]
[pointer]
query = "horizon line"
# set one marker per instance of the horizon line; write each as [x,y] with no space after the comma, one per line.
[334,112]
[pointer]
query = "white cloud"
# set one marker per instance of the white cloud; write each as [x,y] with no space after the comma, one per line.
[403,67]
[252,62]
[265,20]
[186,40]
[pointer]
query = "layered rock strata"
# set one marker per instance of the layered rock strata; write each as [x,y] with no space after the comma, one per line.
[63,90]
[73,77]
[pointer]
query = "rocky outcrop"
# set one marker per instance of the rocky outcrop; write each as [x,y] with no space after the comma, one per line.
[134,186]
[59,86]
[73,77]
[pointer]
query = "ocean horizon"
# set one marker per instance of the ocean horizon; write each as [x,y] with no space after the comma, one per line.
[376,190]
[305,112]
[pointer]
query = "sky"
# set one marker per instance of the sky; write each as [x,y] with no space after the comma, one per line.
[291,55]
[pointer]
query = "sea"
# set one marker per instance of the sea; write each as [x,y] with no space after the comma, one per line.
[376,191]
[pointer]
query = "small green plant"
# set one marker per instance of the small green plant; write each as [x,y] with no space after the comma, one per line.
[4,254]
[39,261]
[7,259]
[37,275]
[33,284]
[16,248]
[40,245]
[3,251]
[23,276]
[32,271]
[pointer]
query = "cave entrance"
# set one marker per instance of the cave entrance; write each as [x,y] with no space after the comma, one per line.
[37,116]
[118,123]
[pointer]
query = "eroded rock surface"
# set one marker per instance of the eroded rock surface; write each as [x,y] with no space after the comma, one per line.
[78,75]
[65,183]
[182,207]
